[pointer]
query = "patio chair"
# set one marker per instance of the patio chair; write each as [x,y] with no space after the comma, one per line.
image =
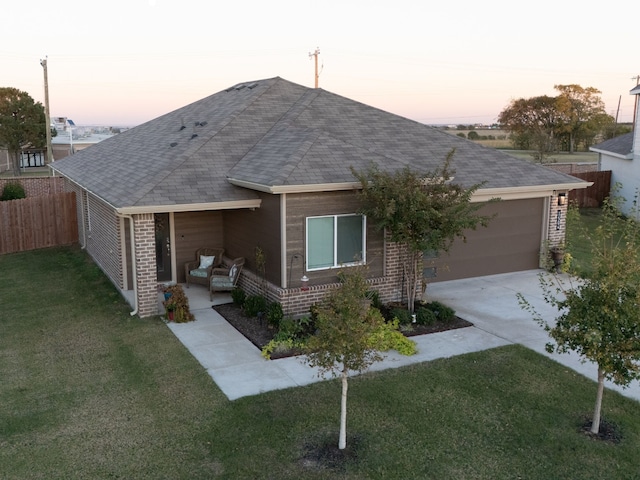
[224,279]
[199,270]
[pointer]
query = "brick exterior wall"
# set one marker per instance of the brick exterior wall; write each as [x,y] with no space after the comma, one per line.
[296,302]
[557,229]
[146,270]
[37,186]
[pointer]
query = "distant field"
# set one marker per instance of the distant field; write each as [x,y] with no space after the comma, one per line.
[502,142]
[501,137]
[560,157]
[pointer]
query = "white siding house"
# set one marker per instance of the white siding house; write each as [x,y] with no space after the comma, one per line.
[621,155]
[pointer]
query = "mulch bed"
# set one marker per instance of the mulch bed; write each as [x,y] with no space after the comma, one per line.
[258,332]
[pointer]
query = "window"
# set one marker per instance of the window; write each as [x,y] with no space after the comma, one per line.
[335,240]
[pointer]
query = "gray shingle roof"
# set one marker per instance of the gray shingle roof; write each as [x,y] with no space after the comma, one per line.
[620,145]
[276,133]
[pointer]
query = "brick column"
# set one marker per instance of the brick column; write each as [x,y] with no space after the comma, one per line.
[557,220]
[146,270]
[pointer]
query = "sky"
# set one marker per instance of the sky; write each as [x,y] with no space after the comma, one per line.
[125,62]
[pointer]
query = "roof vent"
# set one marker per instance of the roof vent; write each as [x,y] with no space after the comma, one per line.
[253,85]
[240,87]
[173,144]
[182,127]
[202,124]
[194,135]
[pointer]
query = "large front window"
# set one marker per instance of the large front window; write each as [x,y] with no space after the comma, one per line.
[335,240]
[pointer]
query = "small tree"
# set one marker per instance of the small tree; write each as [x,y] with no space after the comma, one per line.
[22,123]
[346,325]
[599,314]
[420,211]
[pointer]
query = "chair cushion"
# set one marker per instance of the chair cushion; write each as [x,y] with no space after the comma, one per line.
[206,261]
[199,272]
[232,272]
[221,282]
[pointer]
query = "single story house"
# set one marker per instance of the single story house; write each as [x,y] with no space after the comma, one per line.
[621,155]
[266,164]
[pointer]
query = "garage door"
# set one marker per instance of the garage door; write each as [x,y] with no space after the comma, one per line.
[510,243]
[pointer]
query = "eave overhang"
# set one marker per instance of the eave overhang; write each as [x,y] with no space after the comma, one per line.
[529,191]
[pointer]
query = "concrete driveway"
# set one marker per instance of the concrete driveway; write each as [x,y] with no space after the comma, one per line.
[490,303]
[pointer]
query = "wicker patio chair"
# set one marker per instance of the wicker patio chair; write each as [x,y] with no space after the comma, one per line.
[199,270]
[224,279]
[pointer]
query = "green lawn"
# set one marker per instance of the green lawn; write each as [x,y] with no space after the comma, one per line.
[87,391]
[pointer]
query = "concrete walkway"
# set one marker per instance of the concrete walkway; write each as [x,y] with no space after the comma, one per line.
[490,303]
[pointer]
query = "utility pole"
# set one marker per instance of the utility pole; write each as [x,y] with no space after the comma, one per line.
[635,103]
[315,54]
[46,110]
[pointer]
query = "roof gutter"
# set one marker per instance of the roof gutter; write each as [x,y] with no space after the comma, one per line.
[628,156]
[276,189]
[530,191]
[481,195]
[190,207]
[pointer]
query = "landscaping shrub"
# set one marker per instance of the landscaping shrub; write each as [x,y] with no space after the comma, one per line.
[13,191]
[425,316]
[275,314]
[443,312]
[254,304]
[374,296]
[238,296]
[402,314]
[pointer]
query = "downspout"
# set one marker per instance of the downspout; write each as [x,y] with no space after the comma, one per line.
[283,241]
[133,258]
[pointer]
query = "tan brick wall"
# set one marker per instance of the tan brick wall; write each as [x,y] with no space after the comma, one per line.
[557,220]
[37,186]
[572,168]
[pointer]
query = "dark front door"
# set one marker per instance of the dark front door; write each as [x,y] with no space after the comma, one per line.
[163,247]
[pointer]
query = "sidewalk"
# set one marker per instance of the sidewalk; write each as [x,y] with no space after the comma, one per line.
[490,303]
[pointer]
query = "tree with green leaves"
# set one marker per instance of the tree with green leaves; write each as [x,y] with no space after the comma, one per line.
[534,119]
[420,211]
[22,124]
[582,114]
[576,115]
[599,313]
[350,335]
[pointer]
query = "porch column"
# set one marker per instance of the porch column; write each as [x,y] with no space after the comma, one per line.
[146,271]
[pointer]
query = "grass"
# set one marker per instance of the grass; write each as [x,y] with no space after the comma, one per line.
[558,157]
[88,391]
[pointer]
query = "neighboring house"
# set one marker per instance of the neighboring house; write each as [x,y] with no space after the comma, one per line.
[621,155]
[71,138]
[267,164]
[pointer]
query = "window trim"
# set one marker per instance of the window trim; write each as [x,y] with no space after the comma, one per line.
[335,241]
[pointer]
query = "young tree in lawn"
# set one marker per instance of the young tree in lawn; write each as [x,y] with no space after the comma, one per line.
[422,212]
[599,314]
[345,339]
[22,124]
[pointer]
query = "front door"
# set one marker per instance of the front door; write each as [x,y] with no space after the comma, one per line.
[163,247]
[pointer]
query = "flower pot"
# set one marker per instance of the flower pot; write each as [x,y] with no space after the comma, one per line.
[558,258]
[171,315]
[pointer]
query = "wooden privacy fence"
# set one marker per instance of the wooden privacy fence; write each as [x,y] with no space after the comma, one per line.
[38,222]
[594,195]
